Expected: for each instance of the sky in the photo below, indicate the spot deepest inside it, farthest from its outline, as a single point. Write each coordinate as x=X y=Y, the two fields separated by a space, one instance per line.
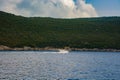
x=61 y=8
x=106 y=7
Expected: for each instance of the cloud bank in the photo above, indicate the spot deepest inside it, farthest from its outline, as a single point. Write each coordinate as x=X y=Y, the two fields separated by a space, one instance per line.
x=49 y=8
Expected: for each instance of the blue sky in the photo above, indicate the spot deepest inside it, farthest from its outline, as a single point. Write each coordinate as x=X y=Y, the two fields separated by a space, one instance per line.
x=106 y=7
x=61 y=8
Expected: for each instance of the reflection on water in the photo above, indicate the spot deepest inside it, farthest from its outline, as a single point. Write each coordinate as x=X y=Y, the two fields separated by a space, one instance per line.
x=36 y=65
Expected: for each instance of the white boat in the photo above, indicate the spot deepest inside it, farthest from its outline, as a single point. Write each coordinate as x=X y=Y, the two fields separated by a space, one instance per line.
x=63 y=51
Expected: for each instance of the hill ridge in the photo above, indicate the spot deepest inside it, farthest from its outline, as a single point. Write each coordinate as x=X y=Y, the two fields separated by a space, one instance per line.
x=18 y=31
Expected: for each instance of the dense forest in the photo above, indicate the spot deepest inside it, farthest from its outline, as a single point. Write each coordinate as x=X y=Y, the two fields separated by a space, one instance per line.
x=18 y=31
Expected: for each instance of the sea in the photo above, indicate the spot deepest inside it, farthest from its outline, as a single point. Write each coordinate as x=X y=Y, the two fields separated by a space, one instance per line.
x=49 y=65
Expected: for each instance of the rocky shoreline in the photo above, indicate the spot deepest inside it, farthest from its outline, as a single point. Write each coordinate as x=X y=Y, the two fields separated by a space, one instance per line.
x=25 y=48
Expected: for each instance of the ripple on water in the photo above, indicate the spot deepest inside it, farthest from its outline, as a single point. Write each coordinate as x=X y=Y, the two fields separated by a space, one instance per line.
x=48 y=66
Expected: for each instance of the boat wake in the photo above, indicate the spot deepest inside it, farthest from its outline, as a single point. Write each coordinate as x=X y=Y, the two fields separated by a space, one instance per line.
x=60 y=51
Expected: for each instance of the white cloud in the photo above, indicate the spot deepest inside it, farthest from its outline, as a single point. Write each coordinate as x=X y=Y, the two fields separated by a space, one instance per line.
x=11 y=7
x=49 y=8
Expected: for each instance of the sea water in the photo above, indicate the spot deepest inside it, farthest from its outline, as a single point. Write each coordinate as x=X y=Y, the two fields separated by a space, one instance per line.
x=41 y=65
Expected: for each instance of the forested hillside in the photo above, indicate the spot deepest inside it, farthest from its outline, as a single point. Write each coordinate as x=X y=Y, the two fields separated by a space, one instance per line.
x=17 y=31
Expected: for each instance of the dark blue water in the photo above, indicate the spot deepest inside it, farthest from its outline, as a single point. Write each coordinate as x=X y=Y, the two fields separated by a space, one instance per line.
x=36 y=65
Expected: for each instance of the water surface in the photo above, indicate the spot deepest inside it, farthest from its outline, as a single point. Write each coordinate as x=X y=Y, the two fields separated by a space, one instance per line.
x=39 y=65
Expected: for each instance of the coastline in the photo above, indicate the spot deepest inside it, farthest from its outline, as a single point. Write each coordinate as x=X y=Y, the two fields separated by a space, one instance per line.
x=25 y=48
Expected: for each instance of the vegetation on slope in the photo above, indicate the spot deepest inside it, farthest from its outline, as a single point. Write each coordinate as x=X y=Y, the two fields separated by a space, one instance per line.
x=17 y=31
